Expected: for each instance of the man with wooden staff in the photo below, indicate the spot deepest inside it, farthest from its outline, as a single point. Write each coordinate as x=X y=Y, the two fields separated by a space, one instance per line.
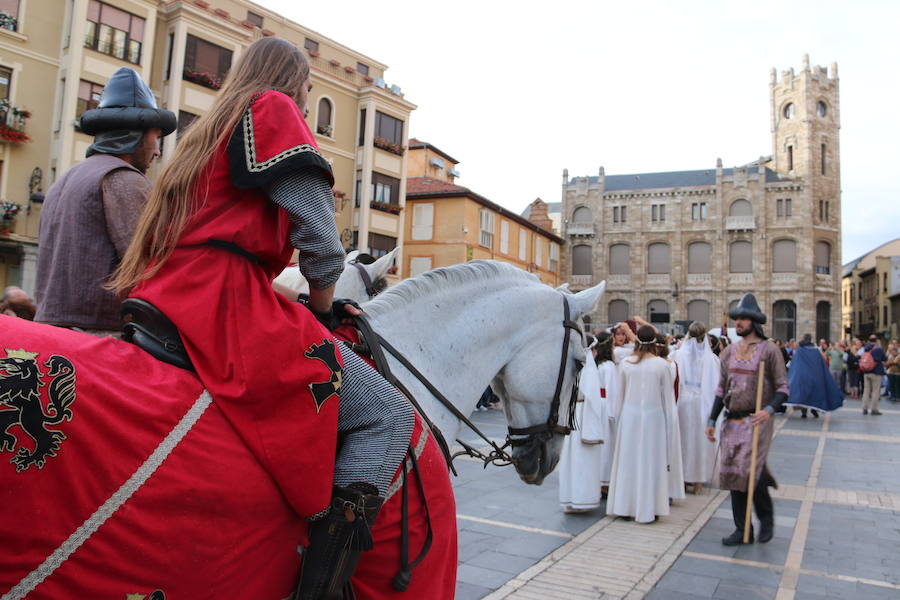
x=737 y=394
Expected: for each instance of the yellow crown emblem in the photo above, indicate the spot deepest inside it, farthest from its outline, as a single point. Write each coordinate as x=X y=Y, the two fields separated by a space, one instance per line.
x=20 y=353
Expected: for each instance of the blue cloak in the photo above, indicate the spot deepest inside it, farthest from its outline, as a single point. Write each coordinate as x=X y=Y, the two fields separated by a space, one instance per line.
x=811 y=382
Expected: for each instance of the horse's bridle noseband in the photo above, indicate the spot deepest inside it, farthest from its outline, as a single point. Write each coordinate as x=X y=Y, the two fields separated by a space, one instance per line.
x=546 y=430
x=367 y=281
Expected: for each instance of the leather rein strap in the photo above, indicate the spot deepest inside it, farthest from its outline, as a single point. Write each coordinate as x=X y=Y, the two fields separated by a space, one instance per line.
x=367 y=281
x=498 y=454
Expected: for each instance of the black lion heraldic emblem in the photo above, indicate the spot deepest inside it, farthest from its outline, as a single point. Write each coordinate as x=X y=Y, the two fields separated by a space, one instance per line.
x=323 y=390
x=20 y=404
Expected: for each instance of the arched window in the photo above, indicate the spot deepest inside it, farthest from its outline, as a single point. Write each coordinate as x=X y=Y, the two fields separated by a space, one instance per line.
x=619 y=260
x=658 y=311
x=784 y=256
x=582 y=214
x=698 y=310
x=617 y=311
x=785 y=320
x=324 y=117
x=740 y=257
x=741 y=208
x=581 y=260
x=699 y=257
x=659 y=259
x=823 y=320
x=823 y=258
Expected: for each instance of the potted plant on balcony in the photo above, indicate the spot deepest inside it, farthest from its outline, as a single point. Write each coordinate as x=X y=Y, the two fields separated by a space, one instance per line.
x=394 y=209
x=8 y=21
x=12 y=123
x=313 y=53
x=349 y=69
x=334 y=62
x=8 y=212
x=209 y=80
x=388 y=145
x=324 y=130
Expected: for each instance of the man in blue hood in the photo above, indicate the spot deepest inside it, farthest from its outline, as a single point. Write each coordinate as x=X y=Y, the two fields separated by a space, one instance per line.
x=91 y=212
x=812 y=385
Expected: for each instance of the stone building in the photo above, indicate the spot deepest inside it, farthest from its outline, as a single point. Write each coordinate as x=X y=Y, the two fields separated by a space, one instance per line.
x=682 y=246
x=55 y=58
x=870 y=293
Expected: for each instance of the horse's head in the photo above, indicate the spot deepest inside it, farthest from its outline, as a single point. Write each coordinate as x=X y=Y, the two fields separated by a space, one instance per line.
x=360 y=281
x=539 y=387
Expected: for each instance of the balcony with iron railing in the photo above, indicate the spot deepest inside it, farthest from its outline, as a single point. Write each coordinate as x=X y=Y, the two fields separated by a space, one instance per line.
x=12 y=123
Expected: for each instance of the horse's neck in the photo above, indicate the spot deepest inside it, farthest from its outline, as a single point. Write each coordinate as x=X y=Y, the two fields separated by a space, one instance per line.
x=459 y=342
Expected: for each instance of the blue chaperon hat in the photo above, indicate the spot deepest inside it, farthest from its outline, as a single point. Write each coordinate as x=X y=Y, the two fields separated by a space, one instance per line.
x=127 y=104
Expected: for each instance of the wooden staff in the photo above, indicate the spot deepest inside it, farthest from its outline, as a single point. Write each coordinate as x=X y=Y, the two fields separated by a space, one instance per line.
x=751 y=483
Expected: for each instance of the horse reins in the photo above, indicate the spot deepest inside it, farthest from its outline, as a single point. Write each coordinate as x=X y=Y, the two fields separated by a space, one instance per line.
x=367 y=281
x=497 y=454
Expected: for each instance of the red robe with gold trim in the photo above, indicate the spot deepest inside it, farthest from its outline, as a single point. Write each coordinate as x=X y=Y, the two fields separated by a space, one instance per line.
x=249 y=344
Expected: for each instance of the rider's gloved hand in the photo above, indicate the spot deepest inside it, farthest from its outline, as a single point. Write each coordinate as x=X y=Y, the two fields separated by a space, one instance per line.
x=342 y=309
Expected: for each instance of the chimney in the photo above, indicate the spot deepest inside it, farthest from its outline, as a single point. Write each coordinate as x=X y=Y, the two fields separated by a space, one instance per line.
x=538 y=215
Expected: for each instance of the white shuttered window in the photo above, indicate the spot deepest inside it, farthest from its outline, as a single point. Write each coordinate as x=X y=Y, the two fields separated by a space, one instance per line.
x=418 y=265
x=504 y=237
x=523 y=242
x=423 y=221
x=486 y=238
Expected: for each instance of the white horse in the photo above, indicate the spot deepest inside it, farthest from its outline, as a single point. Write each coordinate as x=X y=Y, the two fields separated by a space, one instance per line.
x=291 y=282
x=484 y=322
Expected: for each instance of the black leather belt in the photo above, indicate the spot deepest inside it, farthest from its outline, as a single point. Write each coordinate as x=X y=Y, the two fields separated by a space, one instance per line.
x=738 y=414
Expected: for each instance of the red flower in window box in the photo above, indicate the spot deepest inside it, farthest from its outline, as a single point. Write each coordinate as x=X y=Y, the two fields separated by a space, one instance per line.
x=312 y=52
x=349 y=69
x=248 y=24
x=213 y=82
x=269 y=33
x=393 y=209
x=389 y=146
x=368 y=79
x=222 y=12
x=202 y=3
x=11 y=135
x=334 y=62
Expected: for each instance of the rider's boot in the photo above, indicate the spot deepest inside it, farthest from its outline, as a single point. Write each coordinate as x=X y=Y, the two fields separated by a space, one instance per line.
x=336 y=541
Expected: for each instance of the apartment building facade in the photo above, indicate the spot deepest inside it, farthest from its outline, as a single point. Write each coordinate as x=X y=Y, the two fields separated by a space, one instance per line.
x=684 y=246
x=56 y=56
x=448 y=224
x=870 y=293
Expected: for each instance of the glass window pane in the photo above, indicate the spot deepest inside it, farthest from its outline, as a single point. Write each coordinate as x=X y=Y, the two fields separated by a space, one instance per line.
x=105 y=39
x=134 y=51
x=619 y=263
x=119 y=38
x=741 y=257
x=581 y=260
x=658 y=258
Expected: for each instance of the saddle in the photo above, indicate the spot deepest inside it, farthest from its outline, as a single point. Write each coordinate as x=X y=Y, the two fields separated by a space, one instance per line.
x=150 y=330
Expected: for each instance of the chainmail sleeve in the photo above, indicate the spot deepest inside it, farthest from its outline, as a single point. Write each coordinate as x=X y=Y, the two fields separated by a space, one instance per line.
x=306 y=196
x=375 y=424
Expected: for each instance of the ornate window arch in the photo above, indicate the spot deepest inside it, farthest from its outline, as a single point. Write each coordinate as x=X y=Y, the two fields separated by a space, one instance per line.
x=582 y=214
x=740 y=208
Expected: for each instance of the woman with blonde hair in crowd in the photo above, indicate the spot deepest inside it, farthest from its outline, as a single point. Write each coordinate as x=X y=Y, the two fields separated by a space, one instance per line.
x=699 y=372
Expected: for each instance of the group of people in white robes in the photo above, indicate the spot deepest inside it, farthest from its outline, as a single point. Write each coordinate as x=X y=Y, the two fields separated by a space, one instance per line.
x=640 y=424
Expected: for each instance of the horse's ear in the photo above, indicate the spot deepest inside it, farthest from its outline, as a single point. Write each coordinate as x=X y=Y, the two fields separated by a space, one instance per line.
x=351 y=256
x=379 y=268
x=564 y=288
x=586 y=301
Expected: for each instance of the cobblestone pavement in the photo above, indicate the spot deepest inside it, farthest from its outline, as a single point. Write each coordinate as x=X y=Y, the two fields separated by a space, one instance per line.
x=837 y=528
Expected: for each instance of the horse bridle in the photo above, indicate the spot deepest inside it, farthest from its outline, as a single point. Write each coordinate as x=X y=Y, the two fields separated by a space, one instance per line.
x=497 y=454
x=367 y=281
x=545 y=431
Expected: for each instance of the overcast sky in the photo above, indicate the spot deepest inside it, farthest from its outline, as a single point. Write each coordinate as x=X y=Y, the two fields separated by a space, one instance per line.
x=517 y=91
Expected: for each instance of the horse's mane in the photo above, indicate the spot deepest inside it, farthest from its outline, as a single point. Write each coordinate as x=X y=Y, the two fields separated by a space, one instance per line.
x=477 y=271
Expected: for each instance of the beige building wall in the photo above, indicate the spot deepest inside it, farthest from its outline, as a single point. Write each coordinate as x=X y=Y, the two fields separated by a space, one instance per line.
x=742 y=204
x=49 y=60
x=869 y=287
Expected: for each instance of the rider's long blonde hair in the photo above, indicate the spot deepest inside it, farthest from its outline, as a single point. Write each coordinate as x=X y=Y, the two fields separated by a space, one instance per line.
x=269 y=63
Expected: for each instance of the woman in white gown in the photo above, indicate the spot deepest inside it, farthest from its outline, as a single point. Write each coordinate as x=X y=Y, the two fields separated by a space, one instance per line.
x=699 y=376
x=640 y=484
x=579 y=463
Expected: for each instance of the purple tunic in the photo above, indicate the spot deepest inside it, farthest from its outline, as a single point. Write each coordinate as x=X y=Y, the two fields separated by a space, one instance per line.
x=740 y=367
